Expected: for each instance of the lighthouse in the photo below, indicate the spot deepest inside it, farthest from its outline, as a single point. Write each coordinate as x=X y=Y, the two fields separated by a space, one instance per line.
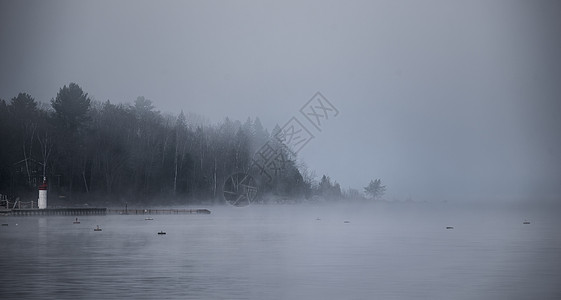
x=42 y=202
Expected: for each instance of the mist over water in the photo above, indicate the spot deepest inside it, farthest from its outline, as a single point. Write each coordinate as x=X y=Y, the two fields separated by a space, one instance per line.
x=379 y=251
x=116 y=103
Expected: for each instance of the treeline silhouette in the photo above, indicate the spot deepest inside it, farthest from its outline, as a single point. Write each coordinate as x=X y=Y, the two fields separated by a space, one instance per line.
x=91 y=150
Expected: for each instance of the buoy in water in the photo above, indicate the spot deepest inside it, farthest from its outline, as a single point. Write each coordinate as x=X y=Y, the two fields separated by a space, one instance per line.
x=161 y=232
x=97 y=228
x=449 y=227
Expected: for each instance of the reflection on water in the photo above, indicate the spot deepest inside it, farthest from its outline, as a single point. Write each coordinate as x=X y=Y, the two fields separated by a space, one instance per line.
x=284 y=252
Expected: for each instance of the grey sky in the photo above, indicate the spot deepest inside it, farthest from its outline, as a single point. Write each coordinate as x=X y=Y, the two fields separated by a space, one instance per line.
x=443 y=100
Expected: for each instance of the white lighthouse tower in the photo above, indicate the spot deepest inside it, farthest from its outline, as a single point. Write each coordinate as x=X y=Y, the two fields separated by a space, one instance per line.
x=42 y=202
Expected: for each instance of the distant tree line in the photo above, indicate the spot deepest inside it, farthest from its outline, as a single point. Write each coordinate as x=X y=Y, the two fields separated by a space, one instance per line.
x=131 y=152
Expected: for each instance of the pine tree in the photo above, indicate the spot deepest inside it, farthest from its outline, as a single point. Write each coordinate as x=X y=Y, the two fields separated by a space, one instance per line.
x=375 y=189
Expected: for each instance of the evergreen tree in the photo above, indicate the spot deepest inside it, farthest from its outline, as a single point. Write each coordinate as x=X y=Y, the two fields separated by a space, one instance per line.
x=375 y=189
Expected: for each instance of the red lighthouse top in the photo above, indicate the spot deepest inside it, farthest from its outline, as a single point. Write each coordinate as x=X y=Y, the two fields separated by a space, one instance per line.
x=43 y=186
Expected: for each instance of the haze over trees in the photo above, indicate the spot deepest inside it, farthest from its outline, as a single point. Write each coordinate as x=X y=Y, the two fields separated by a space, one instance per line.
x=375 y=189
x=131 y=152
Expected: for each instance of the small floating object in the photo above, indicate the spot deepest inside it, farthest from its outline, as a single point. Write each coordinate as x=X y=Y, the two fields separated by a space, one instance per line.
x=161 y=232
x=4 y=224
x=148 y=219
x=317 y=219
x=526 y=222
x=347 y=222
x=76 y=222
x=97 y=228
x=449 y=227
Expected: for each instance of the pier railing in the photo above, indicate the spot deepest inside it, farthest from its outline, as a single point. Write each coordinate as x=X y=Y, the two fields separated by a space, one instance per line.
x=56 y=212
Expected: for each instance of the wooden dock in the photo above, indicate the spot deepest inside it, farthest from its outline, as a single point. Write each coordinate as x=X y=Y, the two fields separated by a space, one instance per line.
x=54 y=212
x=97 y=211
x=169 y=211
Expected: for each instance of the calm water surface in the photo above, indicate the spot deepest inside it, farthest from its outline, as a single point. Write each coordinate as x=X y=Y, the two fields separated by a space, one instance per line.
x=286 y=252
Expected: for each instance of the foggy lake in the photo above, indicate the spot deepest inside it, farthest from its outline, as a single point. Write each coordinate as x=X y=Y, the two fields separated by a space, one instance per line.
x=377 y=149
x=380 y=251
